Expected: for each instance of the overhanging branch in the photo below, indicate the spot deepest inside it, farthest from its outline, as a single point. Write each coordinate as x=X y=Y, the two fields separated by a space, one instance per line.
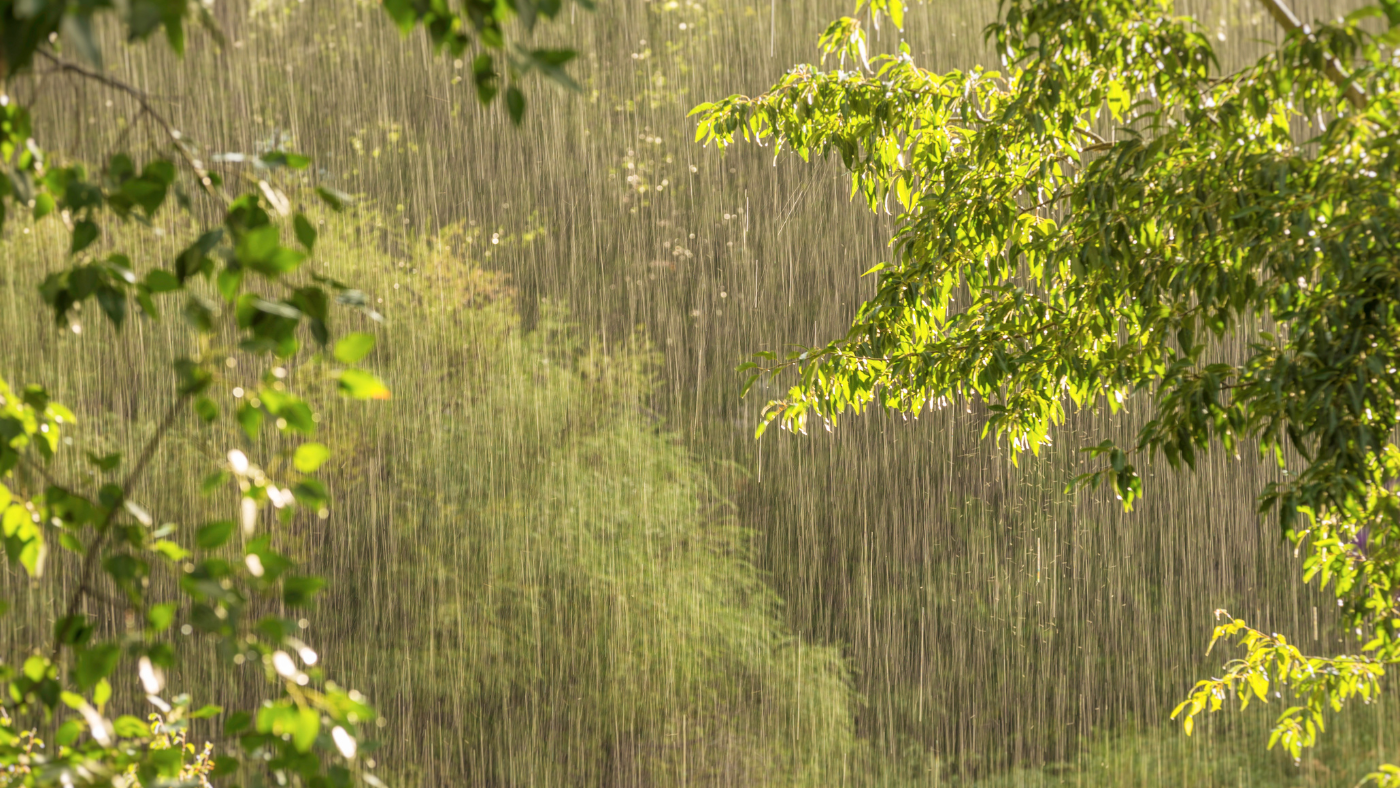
x=144 y=101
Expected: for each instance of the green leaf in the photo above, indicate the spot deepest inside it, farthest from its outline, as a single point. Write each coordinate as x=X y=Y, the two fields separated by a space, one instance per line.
x=105 y=463
x=96 y=663
x=237 y=722
x=359 y=384
x=550 y=62
x=43 y=205
x=68 y=732
x=250 y=419
x=101 y=694
x=1365 y=12
x=171 y=550
x=214 y=534
x=335 y=198
x=1119 y=100
x=129 y=727
x=306 y=233
x=1260 y=684
x=310 y=456
x=310 y=493
x=207 y=409
x=32 y=553
x=484 y=77
x=113 y=303
x=69 y=542
x=195 y=258
x=276 y=159
x=298 y=591
x=160 y=617
x=206 y=711
x=896 y=12
x=515 y=104
x=1392 y=11
x=84 y=233
x=35 y=667
x=224 y=766
x=353 y=347
x=199 y=312
x=74 y=630
x=307 y=725
x=214 y=481
x=161 y=281
x=298 y=416
x=229 y=282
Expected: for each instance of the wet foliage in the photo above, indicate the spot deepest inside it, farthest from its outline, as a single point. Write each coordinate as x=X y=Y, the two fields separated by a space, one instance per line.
x=522 y=510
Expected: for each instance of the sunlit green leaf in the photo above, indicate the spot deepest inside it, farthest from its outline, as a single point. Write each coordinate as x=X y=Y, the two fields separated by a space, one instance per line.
x=353 y=347
x=310 y=456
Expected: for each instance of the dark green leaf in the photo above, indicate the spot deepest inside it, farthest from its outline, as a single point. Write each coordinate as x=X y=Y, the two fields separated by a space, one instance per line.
x=335 y=198
x=515 y=104
x=84 y=233
x=306 y=233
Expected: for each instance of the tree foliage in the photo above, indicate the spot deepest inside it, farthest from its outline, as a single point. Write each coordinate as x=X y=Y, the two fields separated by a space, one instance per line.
x=247 y=287
x=1092 y=220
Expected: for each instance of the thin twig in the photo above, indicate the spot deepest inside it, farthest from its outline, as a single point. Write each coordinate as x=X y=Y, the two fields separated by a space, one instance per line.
x=1092 y=135
x=104 y=530
x=144 y=100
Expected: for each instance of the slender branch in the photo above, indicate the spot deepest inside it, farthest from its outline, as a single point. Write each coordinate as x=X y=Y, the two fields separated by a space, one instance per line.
x=104 y=530
x=1056 y=197
x=1092 y=135
x=144 y=100
x=1334 y=69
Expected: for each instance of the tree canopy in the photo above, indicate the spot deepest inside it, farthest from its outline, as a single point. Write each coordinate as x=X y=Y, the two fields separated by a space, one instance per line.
x=1089 y=223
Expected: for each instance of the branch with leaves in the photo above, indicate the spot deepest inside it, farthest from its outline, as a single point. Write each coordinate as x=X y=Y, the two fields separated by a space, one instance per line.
x=1273 y=665
x=1092 y=221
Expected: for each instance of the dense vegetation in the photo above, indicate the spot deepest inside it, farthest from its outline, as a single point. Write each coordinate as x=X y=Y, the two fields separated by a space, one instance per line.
x=554 y=555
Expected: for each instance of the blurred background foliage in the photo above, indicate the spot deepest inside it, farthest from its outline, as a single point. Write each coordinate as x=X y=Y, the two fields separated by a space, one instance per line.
x=557 y=556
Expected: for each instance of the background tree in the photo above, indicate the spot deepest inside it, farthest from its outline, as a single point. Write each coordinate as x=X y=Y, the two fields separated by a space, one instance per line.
x=1090 y=223
x=246 y=295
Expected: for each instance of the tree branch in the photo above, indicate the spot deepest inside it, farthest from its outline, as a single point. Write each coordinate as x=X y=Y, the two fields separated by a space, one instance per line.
x=144 y=100
x=1334 y=69
x=105 y=529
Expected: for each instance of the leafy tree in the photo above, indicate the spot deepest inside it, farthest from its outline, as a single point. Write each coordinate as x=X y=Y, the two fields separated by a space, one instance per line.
x=244 y=293
x=1093 y=221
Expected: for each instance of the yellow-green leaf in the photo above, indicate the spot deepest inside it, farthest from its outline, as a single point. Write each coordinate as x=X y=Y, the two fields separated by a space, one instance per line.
x=310 y=456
